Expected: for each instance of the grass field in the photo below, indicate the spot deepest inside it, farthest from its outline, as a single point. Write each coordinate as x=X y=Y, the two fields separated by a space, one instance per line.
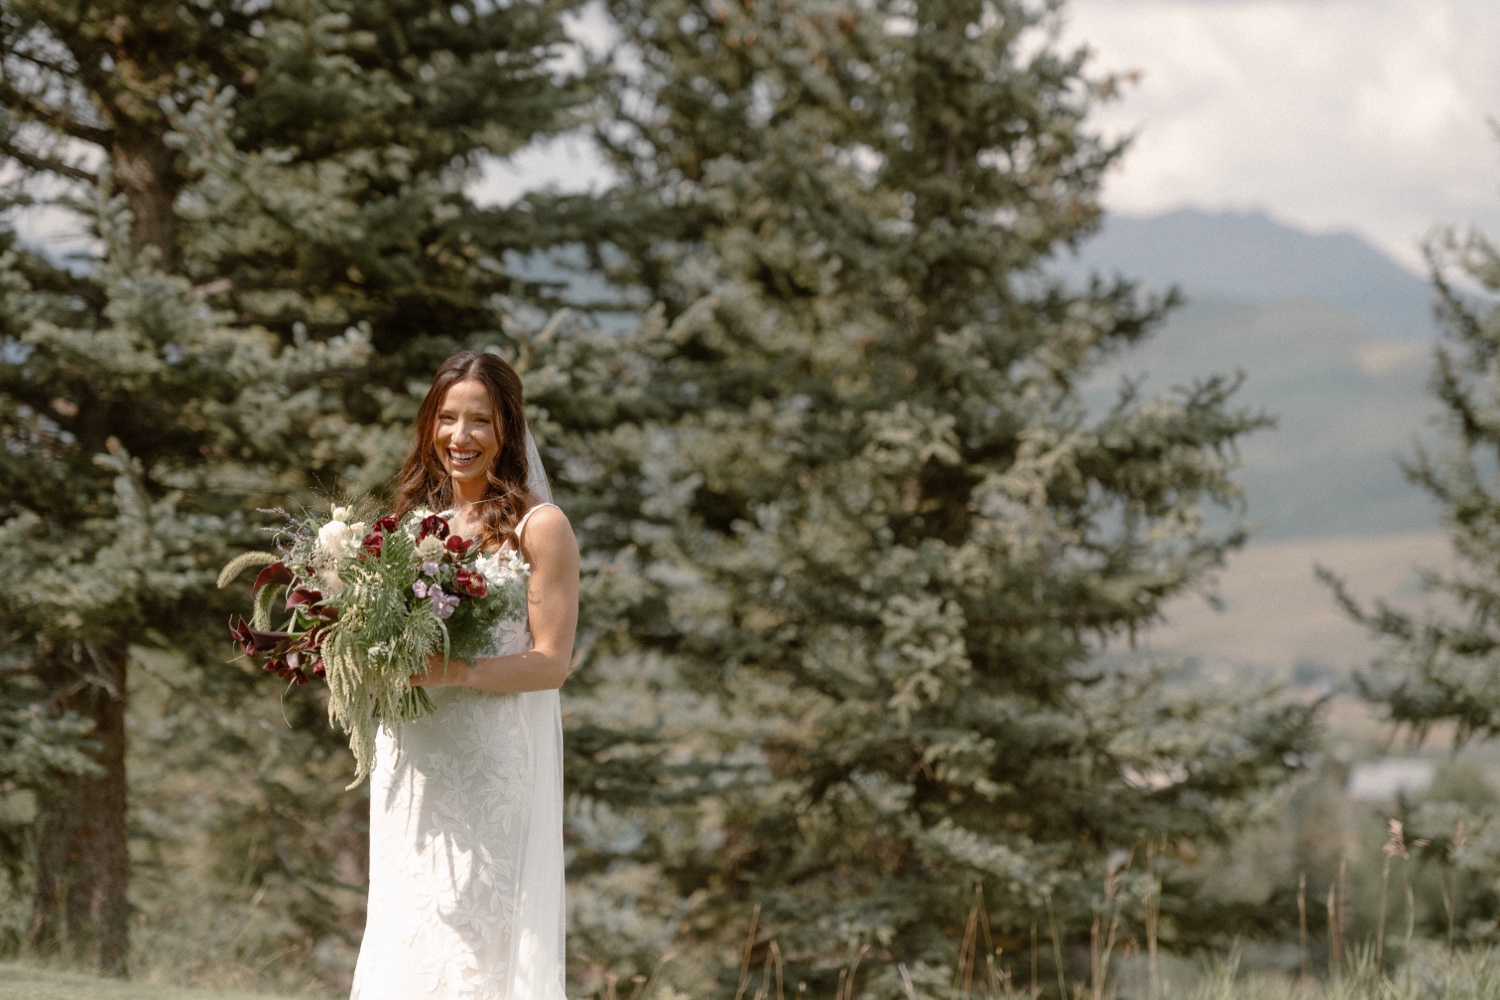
x=19 y=982
x=1433 y=974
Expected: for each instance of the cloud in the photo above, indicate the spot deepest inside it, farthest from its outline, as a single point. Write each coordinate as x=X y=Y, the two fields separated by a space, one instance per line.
x=1369 y=115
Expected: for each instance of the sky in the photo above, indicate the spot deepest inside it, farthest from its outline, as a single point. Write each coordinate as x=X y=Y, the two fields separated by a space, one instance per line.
x=1364 y=115
x=1369 y=116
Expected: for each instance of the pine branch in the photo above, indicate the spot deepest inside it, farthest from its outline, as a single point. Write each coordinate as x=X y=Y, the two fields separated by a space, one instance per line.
x=46 y=64
x=31 y=107
x=46 y=164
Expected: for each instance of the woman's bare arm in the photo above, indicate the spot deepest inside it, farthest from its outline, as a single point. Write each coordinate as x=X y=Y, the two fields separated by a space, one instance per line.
x=552 y=606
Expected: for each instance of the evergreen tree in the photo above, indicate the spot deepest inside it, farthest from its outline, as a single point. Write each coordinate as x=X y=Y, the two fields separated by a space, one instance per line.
x=127 y=484
x=291 y=171
x=858 y=541
x=1436 y=667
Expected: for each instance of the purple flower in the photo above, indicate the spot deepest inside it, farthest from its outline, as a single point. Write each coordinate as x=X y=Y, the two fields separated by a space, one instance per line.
x=442 y=604
x=430 y=568
x=420 y=589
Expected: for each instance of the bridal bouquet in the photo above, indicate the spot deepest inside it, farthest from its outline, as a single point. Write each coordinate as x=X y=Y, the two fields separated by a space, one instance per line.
x=365 y=605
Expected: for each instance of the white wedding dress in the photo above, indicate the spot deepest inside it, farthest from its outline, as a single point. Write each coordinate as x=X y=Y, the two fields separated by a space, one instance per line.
x=466 y=859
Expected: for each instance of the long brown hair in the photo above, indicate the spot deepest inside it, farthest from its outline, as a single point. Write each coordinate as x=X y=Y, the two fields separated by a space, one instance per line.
x=424 y=482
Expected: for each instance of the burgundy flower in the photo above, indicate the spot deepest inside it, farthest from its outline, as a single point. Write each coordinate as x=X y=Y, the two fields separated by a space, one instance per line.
x=385 y=524
x=433 y=525
x=298 y=677
x=457 y=545
x=274 y=573
x=469 y=582
x=278 y=667
x=253 y=641
x=302 y=597
x=318 y=669
x=373 y=543
x=242 y=634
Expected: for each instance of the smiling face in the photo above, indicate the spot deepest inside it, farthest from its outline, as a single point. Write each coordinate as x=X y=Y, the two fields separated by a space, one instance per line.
x=467 y=437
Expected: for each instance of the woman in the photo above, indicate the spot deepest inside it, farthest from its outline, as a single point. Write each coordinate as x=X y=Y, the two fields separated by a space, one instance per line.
x=466 y=865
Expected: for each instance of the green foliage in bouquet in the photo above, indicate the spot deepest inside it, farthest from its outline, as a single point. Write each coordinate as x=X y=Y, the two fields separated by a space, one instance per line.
x=366 y=613
x=376 y=645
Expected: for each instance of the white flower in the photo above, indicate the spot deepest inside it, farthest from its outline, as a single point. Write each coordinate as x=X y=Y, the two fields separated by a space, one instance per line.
x=430 y=548
x=332 y=585
x=334 y=538
x=489 y=568
x=498 y=569
x=341 y=513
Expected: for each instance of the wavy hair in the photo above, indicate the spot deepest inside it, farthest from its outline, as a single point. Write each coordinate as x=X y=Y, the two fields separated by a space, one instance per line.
x=424 y=482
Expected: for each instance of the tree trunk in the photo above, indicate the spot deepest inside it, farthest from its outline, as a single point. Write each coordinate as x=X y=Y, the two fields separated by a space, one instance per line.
x=81 y=906
x=145 y=170
x=83 y=859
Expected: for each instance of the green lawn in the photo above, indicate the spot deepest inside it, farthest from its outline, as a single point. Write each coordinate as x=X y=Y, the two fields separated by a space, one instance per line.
x=1433 y=974
x=22 y=983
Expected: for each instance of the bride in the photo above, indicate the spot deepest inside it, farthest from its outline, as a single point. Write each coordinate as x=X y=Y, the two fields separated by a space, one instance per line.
x=466 y=862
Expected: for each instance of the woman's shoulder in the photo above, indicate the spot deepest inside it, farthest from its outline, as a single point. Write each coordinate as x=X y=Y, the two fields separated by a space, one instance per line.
x=543 y=518
x=545 y=528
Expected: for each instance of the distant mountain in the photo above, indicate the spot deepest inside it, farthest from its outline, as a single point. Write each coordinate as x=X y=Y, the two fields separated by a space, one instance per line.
x=1252 y=258
x=1348 y=404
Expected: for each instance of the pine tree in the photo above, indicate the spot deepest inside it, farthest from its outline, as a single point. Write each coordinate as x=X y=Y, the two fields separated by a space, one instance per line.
x=291 y=171
x=129 y=487
x=858 y=541
x=1436 y=667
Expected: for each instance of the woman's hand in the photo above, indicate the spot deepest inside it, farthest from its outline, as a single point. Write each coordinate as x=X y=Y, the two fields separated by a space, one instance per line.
x=454 y=674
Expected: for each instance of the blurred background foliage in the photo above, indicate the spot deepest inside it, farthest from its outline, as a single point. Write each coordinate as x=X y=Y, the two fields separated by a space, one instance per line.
x=873 y=518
